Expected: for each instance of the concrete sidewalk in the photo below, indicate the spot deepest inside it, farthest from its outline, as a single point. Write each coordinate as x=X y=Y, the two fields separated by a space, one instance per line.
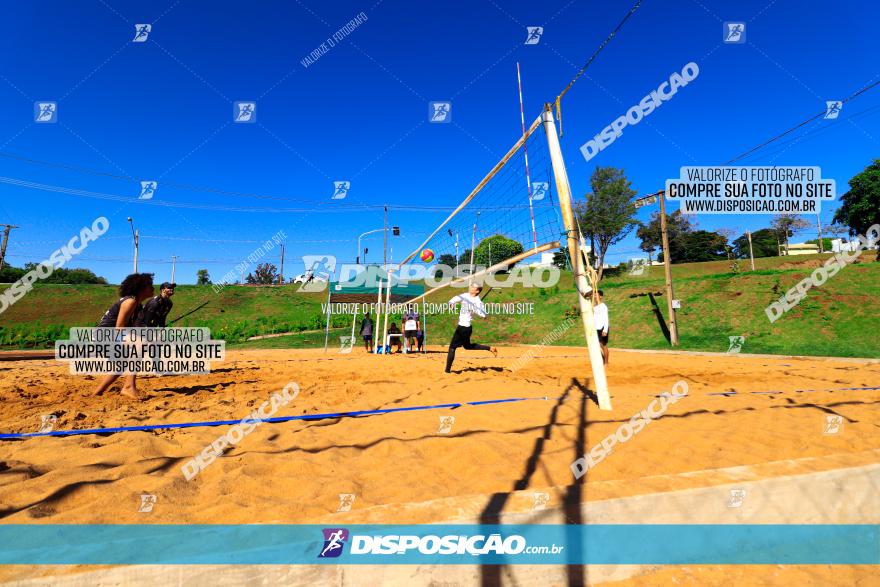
x=837 y=496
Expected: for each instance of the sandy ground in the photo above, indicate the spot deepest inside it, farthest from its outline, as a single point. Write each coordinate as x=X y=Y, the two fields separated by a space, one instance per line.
x=402 y=468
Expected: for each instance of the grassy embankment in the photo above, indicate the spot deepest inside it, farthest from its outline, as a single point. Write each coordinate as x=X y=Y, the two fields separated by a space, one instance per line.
x=839 y=318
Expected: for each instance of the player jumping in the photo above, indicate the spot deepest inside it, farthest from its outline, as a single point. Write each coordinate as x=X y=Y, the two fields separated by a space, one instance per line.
x=470 y=304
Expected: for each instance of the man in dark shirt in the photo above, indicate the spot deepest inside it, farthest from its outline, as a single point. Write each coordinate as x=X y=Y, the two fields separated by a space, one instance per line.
x=367 y=331
x=156 y=310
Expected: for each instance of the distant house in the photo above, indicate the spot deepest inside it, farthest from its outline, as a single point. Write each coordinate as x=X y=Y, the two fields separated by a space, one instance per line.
x=838 y=245
x=546 y=260
x=800 y=249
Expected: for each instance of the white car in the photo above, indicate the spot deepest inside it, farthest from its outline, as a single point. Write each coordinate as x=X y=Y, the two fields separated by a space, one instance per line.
x=309 y=277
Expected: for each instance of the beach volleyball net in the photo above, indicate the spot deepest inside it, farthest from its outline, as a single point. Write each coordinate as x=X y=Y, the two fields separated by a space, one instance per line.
x=513 y=210
x=520 y=212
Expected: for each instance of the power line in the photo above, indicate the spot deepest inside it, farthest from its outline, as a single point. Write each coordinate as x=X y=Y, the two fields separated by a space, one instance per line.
x=173 y=185
x=782 y=146
x=797 y=126
x=599 y=49
x=340 y=209
x=180 y=260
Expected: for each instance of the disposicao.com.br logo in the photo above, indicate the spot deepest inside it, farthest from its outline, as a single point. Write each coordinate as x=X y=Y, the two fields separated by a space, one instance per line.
x=412 y=544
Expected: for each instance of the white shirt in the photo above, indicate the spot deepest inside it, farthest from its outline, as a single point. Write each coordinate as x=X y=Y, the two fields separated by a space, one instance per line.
x=600 y=317
x=469 y=305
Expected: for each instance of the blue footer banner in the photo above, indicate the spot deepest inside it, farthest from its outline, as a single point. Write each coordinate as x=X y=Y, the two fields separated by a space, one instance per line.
x=455 y=544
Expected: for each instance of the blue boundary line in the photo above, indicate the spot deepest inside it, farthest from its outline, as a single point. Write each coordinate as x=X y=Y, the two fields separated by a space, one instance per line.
x=210 y=423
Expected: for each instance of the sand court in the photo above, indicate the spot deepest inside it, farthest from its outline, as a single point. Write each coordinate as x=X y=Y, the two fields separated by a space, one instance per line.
x=749 y=429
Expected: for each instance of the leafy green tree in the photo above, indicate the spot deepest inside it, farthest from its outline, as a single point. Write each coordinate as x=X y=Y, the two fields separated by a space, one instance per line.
x=678 y=226
x=447 y=259
x=202 y=277
x=264 y=274
x=826 y=243
x=608 y=215
x=860 y=206
x=703 y=245
x=10 y=274
x=62 y=275
x=560 y=259
x=495 y=249
x=764 y=244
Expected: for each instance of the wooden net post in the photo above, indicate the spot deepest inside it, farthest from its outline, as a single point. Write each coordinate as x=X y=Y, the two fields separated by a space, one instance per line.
x=563 y=190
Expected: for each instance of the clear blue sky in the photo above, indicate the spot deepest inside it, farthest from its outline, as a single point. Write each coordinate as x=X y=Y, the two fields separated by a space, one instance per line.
x=162 y=110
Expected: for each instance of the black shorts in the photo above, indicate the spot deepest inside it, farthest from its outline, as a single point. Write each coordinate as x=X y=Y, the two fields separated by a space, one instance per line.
x=603 y=338
x=368 y=337
x=412 y=333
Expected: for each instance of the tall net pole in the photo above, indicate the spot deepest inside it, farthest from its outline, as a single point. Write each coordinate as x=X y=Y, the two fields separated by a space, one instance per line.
x=522 y=118
x=473 y=248
x=563 y=190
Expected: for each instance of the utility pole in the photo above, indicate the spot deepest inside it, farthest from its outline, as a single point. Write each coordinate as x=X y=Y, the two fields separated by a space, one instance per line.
x=134 y=234
x=667 y=269
x=667 y=262
x=281 y=275
x=751 y=254
x=173 y=266
x=6 y=229
x=385 y=239
x=819 y=224
x=473 y=250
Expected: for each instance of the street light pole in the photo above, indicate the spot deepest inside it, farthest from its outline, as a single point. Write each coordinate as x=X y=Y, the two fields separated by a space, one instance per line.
x=134 y=234
x=473 y=248
x=173 y=266
x=362 y=236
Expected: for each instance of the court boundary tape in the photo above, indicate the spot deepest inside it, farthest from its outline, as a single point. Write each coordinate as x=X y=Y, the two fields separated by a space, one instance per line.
x=273 y=420
x=354 y=414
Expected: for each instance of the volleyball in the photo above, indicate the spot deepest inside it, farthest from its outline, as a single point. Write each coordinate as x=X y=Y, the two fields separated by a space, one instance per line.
x=427 y=255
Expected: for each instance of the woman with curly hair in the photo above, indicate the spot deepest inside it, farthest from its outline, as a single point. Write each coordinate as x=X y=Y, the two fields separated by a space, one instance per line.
x=133 y=290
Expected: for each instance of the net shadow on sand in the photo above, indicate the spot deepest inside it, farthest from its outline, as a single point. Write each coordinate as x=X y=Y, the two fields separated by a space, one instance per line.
x=491 y=575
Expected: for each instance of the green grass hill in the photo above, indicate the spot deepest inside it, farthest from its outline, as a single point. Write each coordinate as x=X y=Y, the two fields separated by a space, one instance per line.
x=840 y=318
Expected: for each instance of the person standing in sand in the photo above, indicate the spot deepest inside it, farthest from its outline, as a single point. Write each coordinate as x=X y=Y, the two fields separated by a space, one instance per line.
x=470 y=304
x=156 y=311
x=133 y=290
x=411 y=326
x=601 y=322
x=367 y=331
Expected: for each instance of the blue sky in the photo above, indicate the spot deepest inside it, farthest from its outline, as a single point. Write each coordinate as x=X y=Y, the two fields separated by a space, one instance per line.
x=162 y=110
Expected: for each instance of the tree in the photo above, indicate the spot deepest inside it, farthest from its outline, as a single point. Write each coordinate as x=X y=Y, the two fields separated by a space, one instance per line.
x=264 y=274
x=836 y=230
x=860 y=207
x=560 y=259
x=495 y=249
x=703 y=245
x=763 y=244
x=677 y=227
x=608 y=215
x=785 y=225
x=448 y=260
x=202 y=277
x=69 y=276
